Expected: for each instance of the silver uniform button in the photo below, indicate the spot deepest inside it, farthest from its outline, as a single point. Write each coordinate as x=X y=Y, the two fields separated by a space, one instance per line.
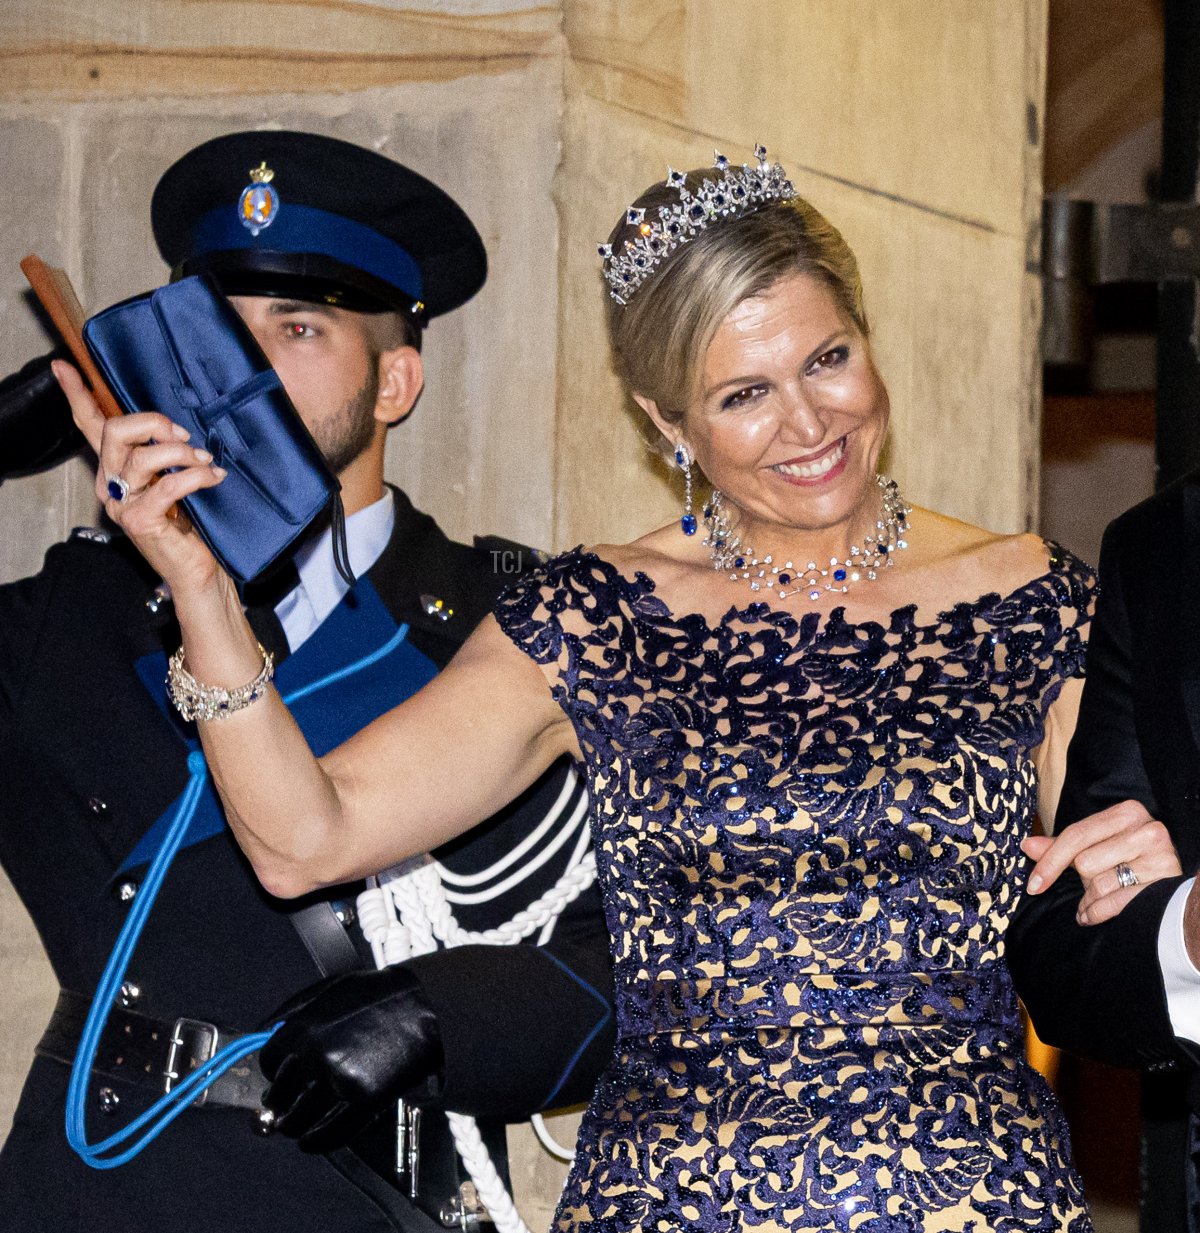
x=264 y=1121
x=108 y=1100
x=129 y=993
x=126 y=891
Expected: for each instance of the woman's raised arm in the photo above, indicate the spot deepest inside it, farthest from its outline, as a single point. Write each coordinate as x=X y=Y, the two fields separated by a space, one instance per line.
x=475 y=737
x=472 y=739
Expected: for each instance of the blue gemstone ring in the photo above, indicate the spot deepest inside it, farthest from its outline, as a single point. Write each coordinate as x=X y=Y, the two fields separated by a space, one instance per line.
x=118 y=489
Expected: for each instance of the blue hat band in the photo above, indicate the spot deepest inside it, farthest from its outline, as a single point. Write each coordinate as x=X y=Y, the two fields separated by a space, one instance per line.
x=305 y=229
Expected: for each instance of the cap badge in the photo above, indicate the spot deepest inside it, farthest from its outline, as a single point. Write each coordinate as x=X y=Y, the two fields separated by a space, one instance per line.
x=259 y=202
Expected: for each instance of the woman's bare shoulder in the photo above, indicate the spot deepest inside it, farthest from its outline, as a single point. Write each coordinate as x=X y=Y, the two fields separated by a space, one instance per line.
x=983 y=559
x=658 y=553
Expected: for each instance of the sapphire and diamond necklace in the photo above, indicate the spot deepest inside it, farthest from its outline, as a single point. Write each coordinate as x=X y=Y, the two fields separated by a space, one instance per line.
x=864 y=560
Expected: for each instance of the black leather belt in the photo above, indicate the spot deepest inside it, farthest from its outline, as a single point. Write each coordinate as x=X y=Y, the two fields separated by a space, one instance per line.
x=157 y=1054
x=153 y=1053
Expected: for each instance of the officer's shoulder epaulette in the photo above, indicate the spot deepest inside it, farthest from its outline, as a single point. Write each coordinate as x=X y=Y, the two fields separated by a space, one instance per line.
x=96 y=535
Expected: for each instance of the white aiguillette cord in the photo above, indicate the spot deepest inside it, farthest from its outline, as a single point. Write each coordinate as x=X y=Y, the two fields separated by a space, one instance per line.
x=405 y=912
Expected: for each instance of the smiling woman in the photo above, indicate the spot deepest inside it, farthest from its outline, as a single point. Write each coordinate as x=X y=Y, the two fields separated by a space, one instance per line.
x=747 y=345
x=808 y=803
x=791 y=413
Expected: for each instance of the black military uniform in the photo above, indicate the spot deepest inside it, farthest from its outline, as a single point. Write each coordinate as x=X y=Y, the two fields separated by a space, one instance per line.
x=90 y=758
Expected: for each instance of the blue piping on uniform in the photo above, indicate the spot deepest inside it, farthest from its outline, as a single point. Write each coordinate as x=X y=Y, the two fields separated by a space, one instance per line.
x=587 y=1040
x=367 y=660
x=168 y=1107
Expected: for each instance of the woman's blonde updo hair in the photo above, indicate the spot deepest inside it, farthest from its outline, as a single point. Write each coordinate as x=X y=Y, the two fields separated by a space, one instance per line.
x=659 y=337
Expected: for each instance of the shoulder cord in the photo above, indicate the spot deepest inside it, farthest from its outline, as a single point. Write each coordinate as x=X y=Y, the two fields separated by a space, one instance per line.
x=514 y=854
x=166 y=1108
x=406 y=913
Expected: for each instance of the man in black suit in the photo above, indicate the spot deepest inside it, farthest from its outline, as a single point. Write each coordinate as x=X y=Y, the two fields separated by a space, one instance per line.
x=1127 y=991
x=336 y=286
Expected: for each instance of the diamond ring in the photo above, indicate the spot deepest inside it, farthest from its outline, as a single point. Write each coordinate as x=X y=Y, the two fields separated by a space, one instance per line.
x=1125 y=876
x=118 y=489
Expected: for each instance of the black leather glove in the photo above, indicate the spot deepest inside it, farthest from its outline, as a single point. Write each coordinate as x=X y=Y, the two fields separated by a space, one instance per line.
x=349 y=1048
x=36 y=429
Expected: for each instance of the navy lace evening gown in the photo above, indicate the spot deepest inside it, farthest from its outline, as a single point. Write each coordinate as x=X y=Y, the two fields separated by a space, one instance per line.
x=807 y=833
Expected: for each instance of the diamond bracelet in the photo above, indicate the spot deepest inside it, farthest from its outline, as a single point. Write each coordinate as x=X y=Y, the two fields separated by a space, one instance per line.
x=197 y=701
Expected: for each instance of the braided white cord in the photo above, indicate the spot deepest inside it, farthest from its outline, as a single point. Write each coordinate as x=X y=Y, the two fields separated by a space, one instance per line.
x=410 y=891
x=528 y=921
x=418 y=897
x=377 y=920
x=404 y=916
x=393 y=942
x=478 y=1159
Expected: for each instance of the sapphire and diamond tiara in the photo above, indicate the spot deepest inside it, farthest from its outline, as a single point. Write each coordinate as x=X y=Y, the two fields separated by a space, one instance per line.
x=736 y=192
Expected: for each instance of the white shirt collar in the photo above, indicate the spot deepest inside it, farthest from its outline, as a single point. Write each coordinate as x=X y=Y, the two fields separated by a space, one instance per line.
x=321 y=587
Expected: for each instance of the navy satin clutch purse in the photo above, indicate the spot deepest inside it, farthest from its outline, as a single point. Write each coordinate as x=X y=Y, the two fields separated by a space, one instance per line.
x=184 y=351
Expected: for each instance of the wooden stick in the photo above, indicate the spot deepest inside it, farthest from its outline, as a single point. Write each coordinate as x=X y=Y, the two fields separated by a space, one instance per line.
x=56 y=295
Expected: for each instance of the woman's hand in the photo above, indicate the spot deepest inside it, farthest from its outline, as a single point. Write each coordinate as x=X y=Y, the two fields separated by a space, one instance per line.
x=1123 y=835
x=138 y=449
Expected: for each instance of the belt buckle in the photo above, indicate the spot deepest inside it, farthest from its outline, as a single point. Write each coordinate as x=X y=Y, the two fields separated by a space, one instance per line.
x=193 y=1041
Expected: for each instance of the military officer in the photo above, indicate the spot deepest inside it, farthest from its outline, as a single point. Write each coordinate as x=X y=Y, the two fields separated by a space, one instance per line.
x=351 y=255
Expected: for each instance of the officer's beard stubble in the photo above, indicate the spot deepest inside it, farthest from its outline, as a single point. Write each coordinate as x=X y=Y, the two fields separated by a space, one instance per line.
x=343 y=437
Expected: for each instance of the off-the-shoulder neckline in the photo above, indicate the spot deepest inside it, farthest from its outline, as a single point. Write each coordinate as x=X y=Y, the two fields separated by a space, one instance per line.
x=813 y=623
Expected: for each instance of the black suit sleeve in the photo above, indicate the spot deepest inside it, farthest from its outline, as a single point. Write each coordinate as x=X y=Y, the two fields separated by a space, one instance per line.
x=1098 y=990
x=36 y=429
x=23 y=607
x=524 y=1028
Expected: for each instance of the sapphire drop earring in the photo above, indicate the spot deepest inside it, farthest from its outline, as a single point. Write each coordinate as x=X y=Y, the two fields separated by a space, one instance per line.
x=683 y=460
